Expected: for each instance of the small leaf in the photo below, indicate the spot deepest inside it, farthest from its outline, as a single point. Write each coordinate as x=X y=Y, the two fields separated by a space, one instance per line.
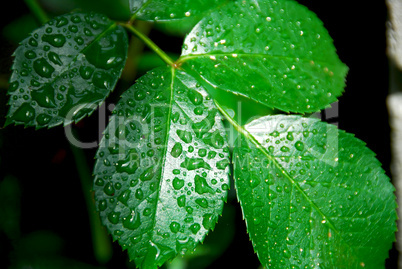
x=163 y=10
x=275 y=52
x=313 y=195
x=65 y=69
x=161 y=177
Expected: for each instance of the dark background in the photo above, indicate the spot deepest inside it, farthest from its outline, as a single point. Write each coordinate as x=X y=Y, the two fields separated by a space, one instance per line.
x=43 y=162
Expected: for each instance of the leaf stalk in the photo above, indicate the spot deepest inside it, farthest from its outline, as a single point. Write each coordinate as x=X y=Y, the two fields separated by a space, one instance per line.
x=150 y=44
x=37 y=10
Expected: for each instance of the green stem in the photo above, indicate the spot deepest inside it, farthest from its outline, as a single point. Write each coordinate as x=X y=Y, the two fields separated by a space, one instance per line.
x=150 y=44
x=135 y=50
x=100 y=240
x=37 y=10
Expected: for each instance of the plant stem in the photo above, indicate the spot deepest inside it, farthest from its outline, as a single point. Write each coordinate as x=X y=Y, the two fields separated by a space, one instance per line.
x=37 y=10
x=135 y=50
x=100 y=240
x=150 y=44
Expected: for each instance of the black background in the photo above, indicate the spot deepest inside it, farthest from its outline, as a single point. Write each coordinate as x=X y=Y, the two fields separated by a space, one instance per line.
x=43 y=163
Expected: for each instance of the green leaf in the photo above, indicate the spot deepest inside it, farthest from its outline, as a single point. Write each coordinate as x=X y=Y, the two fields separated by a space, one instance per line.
x=65 y=69
x=312 y=195
x=275 y=52
x=163 y=10
x=162 y=168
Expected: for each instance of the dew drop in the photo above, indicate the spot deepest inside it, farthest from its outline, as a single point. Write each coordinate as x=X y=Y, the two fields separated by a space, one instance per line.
x=75 y=19
x=202 y=202
x=79 y=40
x=274 y=134
x=254 y=182
x=132 y=221
x=109 y=189
x=139 y=95
x=214 y=139
x=139 y=194
x=32 y=41
x=185 y=136
x=177 y=183
x=24 y=113
x=102 y=80
x=201 y=185
x=43 y=119
x=102 y=205
x=30 y=54
x=113 y=217
x=176 y=150
x=43 y=68
x=299 y=145
x=148 y=174
x=221 y=165
x=195 y=97
x=86 y=72
x=198 y=111
x=194 y=163
x=73 y=28
x=202 y=152
x=124 y=197
x=56 y=40
x=54 y=58
x=130 y=164
x=174 y=227
x=181 y=201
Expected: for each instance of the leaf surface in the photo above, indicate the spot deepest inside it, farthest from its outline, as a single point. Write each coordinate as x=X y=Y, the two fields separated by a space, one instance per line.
x=312 y=195
x=167 y=10
x=277 y=53
x=162 y=168
x=65 y=69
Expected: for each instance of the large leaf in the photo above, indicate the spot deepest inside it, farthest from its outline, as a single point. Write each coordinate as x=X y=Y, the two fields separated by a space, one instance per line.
x=163 y=10
x=65 y=69
x=162 y=168
x=313 y=196
x=275 y=52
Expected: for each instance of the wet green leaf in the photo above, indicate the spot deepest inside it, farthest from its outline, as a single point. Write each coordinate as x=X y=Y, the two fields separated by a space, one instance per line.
x=313 y=195
x=65 y=69
x=275 y=52
x=162 y=168
x=163 y=10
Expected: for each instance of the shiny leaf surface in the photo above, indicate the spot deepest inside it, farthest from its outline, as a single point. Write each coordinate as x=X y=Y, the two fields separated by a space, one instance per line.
x=162 y=168
x=313 y=196
x=275 y=52
x=65 y=69
x=164 y=10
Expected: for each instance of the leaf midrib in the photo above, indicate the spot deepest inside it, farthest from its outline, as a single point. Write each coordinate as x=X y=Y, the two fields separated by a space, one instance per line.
x=186 y=58
x=165 y=150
